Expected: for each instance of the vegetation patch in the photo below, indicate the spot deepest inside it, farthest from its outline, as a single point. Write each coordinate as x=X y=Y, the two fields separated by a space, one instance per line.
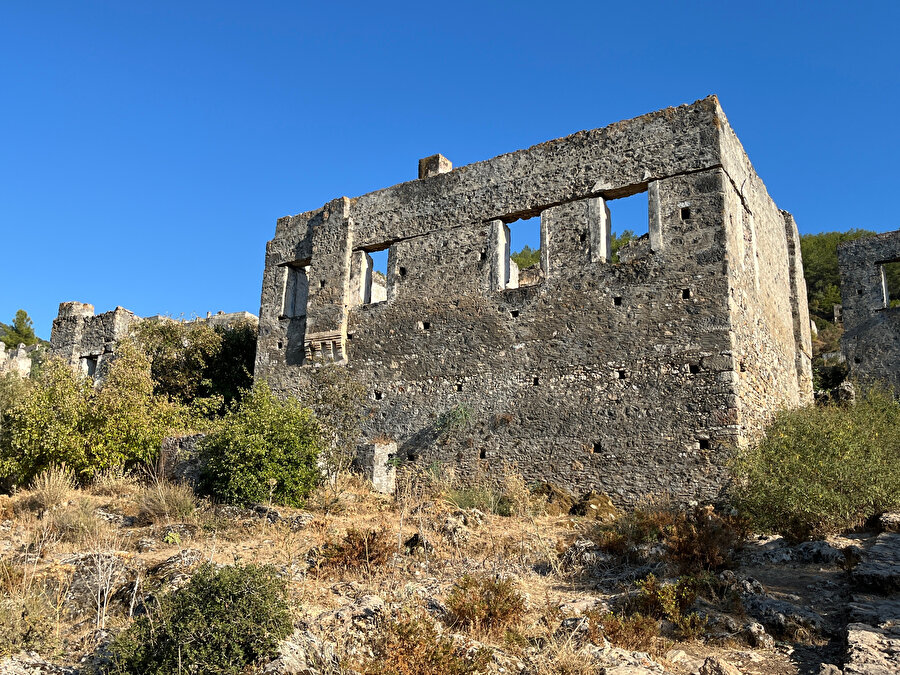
x=412 y=646
x=266 y=449
x=358 y=551
x=485 y=603
x=823 y=469
x=221 y=622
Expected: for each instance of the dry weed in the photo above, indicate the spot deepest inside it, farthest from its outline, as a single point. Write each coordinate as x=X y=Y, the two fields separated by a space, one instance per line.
x=164 y=501
x=52 y=487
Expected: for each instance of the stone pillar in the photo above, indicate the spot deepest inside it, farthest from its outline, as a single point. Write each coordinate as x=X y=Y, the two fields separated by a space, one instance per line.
x=375 y=461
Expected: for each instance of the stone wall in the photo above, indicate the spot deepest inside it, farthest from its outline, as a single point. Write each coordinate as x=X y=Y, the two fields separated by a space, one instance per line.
x=633 y=378
x=17 y=360
x=871 y=340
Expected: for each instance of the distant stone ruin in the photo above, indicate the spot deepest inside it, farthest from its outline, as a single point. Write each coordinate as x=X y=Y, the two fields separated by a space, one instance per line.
x=634 y=377
x=87 y=342
x=17 y=360
x=871 y=340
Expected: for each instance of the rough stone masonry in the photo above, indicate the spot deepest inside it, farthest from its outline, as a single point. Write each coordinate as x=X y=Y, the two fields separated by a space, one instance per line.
x=871 y=340
x=635 y=377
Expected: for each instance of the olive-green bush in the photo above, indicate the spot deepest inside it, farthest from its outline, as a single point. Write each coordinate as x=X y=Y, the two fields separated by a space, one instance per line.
x=220 y=623
x=61 y=418
x=823 y=469
x=265 y=449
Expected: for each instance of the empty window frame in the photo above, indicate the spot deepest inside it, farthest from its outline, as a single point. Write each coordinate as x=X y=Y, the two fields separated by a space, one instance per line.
x=520 y=253
x=296 y=290
x=373 y=276
x=890 y=283
x=629 y=223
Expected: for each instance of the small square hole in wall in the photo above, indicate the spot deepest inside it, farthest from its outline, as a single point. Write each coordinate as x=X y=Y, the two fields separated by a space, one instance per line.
x=859 y=291
x=483 y=255
x=379 y=395
x=704 y=444
x=743 y=367
x=322 y=284
x=482 y=454
x=621 y=374
x=686 y=293
x=514 y=314
x=596 y=448
x=424 y=325
x=685 y=212
x=536 y=381
x=583 y=237
x=617 y=301
x=459 y=386
x=411 y=456
x=280 y=345
x=694 y=368
x=856 y=359
x=402 y=271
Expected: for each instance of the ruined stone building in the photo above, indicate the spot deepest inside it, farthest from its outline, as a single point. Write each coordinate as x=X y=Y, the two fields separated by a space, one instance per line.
x=633 y=377
x=871 y=340
x=17 y=360
x=87 y=341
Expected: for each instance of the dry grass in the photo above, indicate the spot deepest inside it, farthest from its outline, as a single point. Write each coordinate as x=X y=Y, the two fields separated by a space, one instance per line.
x=165 y=501
x=51 y=488
x=114 y=482
x=485 y=604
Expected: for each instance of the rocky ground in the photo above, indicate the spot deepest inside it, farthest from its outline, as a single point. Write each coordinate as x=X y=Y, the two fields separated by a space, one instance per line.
x=96 y=560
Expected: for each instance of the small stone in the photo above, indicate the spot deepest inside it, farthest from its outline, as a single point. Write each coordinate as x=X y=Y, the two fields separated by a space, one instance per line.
x=717 y=666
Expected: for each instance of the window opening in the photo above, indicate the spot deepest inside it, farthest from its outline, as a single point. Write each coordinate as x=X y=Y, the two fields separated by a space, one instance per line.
x=629 y=221
x=296 y=290
x=483 y=454
x=621 y=374
x=617 y=301
x=523 y=253
x=89 y=365
x=373 y=276
x=890 y=282
x=694 y=368
x=686 y=293
x=685 y=212
x=704 y=444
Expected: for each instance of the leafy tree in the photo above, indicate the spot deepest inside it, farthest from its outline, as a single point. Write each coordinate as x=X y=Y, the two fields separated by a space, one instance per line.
x=526 y=257
x=265 y=448
x=192 y=361
x=617 y=241
x=19 y=332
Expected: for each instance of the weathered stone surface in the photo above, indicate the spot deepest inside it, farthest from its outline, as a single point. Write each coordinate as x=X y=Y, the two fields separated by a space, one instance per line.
x=879 y=569
x=872 y=651
x=624 y=378
x=376 y=461
x=871 y=339
x=717 y=666
x=17 y=360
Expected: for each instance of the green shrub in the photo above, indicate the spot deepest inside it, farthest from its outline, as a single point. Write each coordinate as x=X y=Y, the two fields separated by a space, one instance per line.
x=412 y=646
x=266 y=448
x=634 y=632
x=671 y=601
x=823 y=469
x=27 y=621
x=485 y=603
x=221 y=622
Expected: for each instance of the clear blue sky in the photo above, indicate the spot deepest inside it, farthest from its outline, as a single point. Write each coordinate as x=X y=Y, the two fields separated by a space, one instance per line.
x=148 y=147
